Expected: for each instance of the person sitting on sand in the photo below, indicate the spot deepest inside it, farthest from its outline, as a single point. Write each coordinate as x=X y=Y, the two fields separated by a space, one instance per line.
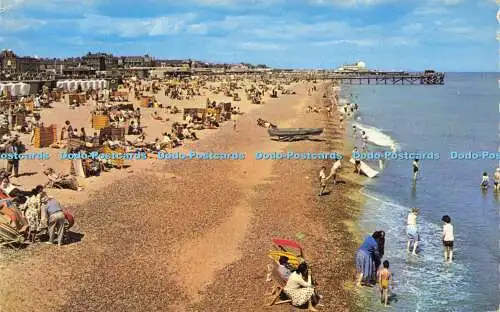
x=496 y=178
x=185 y=132
x=384 y=279
x=156 y=116
x=412 y=230
x=60 y=180
x=299 y=290
x=10 y=190
x=284 y=268
x=485 y=181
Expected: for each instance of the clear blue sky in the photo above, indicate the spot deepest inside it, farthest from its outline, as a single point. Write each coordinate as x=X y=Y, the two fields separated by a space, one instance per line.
x=448 y=35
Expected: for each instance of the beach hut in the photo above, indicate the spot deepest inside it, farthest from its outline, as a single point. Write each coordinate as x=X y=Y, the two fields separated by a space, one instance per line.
x=85 y=85
x=15 y=89
x=60 y=85
x=25 y=89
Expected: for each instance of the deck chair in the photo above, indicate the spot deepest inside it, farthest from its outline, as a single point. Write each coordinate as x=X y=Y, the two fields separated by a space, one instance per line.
x=277 y=292
x=9 y=236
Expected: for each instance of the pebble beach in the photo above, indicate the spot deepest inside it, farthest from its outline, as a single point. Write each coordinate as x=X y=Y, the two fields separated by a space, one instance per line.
x=194 y=235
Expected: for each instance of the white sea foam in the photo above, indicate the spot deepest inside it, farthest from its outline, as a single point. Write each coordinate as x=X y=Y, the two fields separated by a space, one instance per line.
x=377 y=137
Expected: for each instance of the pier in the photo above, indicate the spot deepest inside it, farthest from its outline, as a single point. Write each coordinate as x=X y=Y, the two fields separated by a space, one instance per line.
x=385 y=78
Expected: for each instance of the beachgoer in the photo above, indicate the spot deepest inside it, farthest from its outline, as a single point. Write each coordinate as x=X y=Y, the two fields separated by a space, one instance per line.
x=384 y=278
x=357 y=161
x=485 y=181
x=415 y=169
x=354 y=130
x=299 y=290
x=412 y=230
x=448 y=238
x=333 y=172
x=368 y=259
x=234 y=124
x=15 y=147
x=322 y=180
x=284 y=268
x=56 y=219
x=496 y=178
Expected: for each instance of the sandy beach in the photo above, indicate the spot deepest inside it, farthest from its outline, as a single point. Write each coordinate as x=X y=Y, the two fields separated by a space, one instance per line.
x=193 y=235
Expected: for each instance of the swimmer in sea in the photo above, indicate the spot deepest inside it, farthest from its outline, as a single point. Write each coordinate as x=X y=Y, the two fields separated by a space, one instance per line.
x=485 y=181
x=496 y=179
x=415 y=169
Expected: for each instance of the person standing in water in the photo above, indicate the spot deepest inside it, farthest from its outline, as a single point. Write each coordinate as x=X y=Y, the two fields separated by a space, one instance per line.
x=485 y=181
x=412 y=230
x=448 y=238
x=415 y=169
x=322 y=180
x=384 y=279
x=496 y=178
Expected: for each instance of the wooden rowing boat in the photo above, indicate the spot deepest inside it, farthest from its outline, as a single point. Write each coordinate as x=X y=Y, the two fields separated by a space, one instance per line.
x=280 y=132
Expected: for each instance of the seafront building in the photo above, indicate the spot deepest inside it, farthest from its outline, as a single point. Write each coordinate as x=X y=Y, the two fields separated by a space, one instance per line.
x=14 y=67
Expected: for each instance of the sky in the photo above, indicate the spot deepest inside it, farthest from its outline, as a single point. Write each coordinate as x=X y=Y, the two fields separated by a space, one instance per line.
x=445 y=35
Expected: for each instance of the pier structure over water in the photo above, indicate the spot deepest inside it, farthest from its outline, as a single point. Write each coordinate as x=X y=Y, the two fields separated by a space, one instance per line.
x=384 y=78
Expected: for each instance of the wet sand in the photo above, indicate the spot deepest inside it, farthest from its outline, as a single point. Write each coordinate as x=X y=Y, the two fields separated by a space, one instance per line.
x=193 y=235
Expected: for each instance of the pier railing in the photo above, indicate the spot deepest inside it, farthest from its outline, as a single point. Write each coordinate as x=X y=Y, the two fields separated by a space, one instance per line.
x=388 y=78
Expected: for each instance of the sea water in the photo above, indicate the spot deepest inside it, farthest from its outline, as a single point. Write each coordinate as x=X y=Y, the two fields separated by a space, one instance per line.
x=463 y=116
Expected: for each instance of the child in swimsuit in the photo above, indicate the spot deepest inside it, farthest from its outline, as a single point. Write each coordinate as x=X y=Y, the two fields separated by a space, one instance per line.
x=485 y=181
x=384 y=276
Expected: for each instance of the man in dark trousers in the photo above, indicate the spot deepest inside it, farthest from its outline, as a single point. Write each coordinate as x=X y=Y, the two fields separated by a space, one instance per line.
x=14 y=148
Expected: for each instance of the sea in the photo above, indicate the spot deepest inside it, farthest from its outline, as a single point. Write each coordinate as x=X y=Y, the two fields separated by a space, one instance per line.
x=460 y=116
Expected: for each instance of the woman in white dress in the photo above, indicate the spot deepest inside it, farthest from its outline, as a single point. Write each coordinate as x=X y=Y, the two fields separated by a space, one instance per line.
x=299 y=290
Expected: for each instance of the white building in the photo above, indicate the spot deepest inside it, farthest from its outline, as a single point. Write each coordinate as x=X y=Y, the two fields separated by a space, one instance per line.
x=357 y=67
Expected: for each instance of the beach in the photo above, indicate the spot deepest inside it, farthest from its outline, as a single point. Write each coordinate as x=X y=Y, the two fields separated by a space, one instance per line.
x=193 y=235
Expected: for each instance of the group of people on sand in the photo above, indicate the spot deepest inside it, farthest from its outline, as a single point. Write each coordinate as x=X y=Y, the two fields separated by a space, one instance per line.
x=485 y=181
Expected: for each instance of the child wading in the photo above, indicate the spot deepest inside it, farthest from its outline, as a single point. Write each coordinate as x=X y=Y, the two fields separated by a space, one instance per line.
x=448 y=238
x=384 y=278
x=485 y=181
